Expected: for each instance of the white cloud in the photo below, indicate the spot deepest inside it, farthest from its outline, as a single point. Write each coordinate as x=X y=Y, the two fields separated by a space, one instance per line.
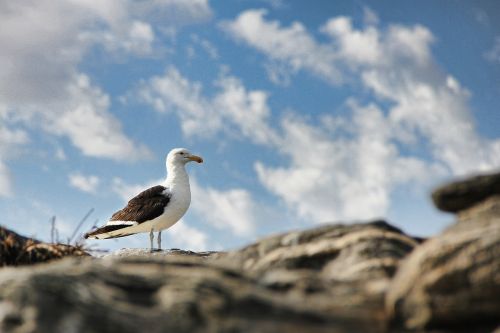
x=292 y=46
x=397 y=65
x=43 y=55
x=331 y=174
x=354 y=46
x=347 y=177
x=347 y=168
x=85 y=183
x=247 y=110
x=136 y=39
x=233 y=110
x=83 y=118
x=232 y=209
x=43 y=44
x=86 y=122
x=182 y=235
x=170 y=12
x=11 y=137
x=173 y=92
x=209 y=48
x=278 y=73
x=438 y=111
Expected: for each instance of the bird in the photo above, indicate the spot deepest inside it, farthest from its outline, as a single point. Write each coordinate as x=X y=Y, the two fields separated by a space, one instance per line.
x=156 y=208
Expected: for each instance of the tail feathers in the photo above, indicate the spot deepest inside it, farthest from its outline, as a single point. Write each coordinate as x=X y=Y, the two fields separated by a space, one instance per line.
x=103 y=232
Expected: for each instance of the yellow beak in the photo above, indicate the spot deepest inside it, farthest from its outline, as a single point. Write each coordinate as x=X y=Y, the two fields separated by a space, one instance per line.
x=196 y=158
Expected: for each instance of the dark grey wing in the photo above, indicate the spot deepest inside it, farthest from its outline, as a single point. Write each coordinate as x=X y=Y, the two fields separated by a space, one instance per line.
x=105 y=229
x=145 y=206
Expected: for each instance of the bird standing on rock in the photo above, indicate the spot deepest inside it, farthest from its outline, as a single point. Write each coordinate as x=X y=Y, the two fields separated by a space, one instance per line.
x=156 y=208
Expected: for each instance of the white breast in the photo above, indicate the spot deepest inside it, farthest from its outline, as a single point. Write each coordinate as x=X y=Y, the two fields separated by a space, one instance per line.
x=176 y=208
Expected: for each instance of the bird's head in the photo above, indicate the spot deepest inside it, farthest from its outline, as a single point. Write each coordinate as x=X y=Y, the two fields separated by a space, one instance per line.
x=182 y=156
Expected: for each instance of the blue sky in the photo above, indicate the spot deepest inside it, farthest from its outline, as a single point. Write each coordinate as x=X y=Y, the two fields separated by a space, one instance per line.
x=339 y=111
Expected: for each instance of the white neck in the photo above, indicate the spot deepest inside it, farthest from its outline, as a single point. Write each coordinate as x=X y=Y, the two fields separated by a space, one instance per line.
x=176 y=175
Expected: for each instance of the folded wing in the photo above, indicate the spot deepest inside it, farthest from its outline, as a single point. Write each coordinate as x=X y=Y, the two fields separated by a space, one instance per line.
x=145 y=206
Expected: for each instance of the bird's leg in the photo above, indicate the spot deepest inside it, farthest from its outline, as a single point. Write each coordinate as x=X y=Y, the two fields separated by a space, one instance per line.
x=151 y=237
x=159 y=240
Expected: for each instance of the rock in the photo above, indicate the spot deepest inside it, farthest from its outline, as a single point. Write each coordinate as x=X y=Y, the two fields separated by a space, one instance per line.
x=350 y=264
x=356 y=252
x=453 y=280
x=161 y=294
x=327 y=279
x=19 y=250
x=124 y=253
x=314 y=248
x=461 y=195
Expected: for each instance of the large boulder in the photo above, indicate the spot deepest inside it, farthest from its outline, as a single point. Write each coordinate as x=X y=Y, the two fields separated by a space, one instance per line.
x=461 y=195
x=352 y=264
x=360 y=251
x=169 y=294
x=453 y=280
x=328 y=279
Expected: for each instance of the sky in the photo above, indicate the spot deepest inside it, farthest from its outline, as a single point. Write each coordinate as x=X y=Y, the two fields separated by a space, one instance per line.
x=304 y=112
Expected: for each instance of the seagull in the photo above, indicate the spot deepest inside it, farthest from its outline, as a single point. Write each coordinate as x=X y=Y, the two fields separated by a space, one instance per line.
x=156 y=208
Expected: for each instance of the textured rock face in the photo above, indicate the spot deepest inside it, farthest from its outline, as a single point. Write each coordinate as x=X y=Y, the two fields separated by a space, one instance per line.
x=453 y=280
x=458 y=196
x=329 y=279
x=351 y=264
x=343 y=252
x=169 y=295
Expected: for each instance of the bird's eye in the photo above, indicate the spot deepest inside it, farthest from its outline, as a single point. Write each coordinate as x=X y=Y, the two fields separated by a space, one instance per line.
x=182 y=153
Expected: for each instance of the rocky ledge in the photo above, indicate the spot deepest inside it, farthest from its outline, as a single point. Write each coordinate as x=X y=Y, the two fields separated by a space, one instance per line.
x=365 y=277
x=16 y=250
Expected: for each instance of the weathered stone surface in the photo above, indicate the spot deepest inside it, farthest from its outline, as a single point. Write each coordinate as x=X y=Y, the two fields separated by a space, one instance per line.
x=19 y=250
x=458 y=196
x=328 y=279
x=453 y=280
x=351 y=264
x=343 y=245
x=170 y=294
